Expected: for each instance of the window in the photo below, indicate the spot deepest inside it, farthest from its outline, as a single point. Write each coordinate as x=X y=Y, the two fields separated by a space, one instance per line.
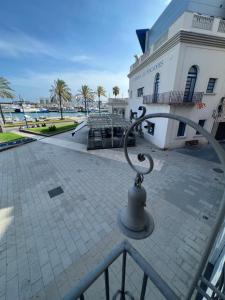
x=181 y=129
x=151 y=128
x=211 y=85
x=140 y=92
x=190 y=84
x=156 y=88
x=200 y=123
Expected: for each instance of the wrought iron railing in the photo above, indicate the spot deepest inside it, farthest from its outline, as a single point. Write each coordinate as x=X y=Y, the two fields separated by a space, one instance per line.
x=148 y=273
x=173 y=97
x=202 y=22
x=221 y=27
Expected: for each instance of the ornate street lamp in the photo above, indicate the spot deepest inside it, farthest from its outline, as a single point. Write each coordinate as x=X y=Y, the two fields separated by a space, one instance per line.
x=134 y=220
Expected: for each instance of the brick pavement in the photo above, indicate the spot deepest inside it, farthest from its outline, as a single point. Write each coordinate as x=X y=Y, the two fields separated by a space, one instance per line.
x=47 y=244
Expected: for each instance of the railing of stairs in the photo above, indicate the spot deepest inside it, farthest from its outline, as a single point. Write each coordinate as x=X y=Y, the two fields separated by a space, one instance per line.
x=124 y=249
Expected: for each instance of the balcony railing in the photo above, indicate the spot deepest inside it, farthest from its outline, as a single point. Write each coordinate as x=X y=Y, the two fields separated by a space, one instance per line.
x=221 y=27
x=172 y=98
x=202 y=22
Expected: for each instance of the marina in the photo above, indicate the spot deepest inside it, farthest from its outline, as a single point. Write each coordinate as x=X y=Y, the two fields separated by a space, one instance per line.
x=16 y=117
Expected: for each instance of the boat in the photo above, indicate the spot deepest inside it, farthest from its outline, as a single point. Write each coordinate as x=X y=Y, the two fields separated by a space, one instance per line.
x=43 y=110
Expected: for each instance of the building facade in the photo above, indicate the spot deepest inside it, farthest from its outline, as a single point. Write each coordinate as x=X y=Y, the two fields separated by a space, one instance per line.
x=117 y=106
x=182 y=71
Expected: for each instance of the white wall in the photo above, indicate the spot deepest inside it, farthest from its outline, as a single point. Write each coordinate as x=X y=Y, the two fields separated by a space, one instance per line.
x=173 y=67
x=211 y=64
x=166 y=66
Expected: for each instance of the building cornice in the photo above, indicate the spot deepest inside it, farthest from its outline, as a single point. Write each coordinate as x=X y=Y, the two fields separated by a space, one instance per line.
x=185 y=37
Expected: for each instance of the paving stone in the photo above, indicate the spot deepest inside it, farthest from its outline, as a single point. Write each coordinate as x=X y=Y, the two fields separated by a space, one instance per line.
x=55 y=241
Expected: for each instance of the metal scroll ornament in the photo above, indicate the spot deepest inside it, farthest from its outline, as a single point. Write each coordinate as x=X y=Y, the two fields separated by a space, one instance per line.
x=133 y=116
x=135 y=222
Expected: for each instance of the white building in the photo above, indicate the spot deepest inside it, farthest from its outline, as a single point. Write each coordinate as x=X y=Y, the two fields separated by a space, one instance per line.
x=182 y=66
x=117 y=106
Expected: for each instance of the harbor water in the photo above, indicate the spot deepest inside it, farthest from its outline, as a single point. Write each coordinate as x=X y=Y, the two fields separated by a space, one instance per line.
x=40 y=115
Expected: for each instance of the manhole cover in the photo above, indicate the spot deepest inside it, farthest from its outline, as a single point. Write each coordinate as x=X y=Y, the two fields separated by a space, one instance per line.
x=217 y=170
x=55 y=192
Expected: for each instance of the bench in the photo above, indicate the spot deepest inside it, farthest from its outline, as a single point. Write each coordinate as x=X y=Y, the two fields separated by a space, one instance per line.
x=191 y=143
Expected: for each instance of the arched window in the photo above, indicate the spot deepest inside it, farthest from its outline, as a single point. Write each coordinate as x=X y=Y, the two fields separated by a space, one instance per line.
x=190 y=84
x=156 y=88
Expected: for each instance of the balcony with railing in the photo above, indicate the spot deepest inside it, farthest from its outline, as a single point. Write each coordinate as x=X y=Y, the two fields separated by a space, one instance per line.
x=202 y=22
x=221 y=27
x=173 y=98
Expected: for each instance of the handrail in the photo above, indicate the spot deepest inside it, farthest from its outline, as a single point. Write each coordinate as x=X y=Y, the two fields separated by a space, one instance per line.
x=123 y=248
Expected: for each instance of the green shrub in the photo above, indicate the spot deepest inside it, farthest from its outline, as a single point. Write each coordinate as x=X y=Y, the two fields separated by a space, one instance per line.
x=52 y=128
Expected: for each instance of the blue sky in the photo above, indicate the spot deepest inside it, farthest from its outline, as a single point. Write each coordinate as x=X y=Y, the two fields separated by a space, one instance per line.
x=81 y=41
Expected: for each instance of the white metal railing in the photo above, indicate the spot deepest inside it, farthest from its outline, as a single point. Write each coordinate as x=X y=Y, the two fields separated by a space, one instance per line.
x=202 y=22
x=221 y=27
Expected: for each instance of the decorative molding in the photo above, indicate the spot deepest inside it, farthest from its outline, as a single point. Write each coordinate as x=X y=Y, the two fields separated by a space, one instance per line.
x=185 y=37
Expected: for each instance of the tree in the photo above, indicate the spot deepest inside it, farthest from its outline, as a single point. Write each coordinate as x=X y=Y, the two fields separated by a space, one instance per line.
x=116 y=91
x=100 y=92
x=60 y=93
x=86 y=94
x=5 y=92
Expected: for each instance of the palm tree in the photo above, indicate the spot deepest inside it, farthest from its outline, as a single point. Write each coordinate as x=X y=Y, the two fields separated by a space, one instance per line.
x=116 y=91
x=5 y=92
x=60 y=93
x=86 y=94
x=100 y=92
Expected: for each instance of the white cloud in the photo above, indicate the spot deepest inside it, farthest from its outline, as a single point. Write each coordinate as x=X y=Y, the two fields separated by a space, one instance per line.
x=34 y=85
x=80 y=58
x=167 y=2
x=16 y=43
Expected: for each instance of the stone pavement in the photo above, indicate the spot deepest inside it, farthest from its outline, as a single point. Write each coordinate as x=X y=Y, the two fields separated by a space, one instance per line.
x=47 y=244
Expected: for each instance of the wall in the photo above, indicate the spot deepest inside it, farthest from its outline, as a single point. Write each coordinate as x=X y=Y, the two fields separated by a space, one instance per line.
x=166 y=65
x=211 y=64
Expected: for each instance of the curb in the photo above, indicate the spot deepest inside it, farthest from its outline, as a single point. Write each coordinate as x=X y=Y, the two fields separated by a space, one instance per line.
x=10 y=146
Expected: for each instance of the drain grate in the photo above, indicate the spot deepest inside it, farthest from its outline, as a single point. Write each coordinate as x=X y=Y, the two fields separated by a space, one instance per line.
x=55 y=192
x=217 y=170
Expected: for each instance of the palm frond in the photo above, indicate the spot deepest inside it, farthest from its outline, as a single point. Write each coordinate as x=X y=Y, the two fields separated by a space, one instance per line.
x=5 y=89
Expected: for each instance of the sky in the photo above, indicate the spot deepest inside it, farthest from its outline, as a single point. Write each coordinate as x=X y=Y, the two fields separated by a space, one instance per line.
x=89 y=42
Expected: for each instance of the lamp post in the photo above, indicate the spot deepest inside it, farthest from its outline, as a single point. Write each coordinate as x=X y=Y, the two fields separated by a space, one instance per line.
x=136 y=222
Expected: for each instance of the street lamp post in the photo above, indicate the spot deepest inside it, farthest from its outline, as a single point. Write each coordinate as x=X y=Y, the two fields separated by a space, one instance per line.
x=135 y=221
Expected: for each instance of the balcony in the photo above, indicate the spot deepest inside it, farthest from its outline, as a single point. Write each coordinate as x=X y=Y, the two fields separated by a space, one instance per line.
x=202 y=22
x=221 y=27
x=172 y=98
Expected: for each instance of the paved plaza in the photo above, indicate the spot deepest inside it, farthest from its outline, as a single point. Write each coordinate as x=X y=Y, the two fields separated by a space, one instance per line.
x=48 y=243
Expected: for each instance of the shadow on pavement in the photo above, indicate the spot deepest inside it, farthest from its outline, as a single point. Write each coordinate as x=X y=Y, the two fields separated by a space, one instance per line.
x=205 y=152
